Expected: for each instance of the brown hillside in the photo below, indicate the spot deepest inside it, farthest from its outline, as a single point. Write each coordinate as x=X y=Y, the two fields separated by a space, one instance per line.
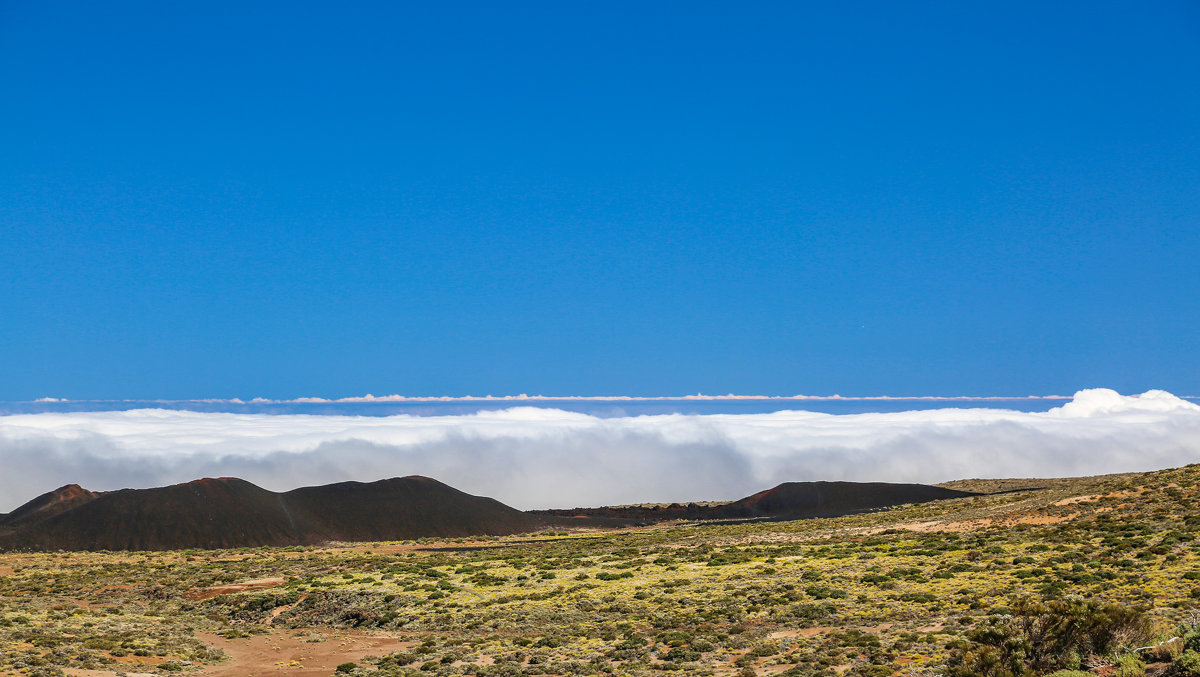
x=813 y=499
x=228 y=512
x=47 y=505
x=790 y=500
x=207 y=513
x=412 y=507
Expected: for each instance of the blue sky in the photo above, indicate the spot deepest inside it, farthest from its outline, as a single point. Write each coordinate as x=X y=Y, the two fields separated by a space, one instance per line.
x=288 y=199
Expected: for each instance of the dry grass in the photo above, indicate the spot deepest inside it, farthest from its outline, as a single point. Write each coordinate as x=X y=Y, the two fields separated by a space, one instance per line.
x=884 y=593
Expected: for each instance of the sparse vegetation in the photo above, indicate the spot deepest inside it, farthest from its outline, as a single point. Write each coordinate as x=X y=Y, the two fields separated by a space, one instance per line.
x=1078 y=577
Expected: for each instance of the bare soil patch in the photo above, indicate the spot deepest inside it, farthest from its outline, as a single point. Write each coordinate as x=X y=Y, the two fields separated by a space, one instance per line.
x=1089 y=498
x=1077 y=499
x=292 y=652
x=77 y=672
x=960 y=526
x=123 y=666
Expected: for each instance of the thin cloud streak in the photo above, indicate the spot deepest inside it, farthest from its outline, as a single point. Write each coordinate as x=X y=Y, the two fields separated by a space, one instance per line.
x=369 y=398
x=539 y=457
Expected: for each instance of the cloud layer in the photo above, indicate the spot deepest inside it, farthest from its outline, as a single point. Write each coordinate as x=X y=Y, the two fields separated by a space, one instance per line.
x=536 y=457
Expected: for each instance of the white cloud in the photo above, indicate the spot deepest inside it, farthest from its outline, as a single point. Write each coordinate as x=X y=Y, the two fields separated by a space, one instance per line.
x=537 y=457
x=369 y=398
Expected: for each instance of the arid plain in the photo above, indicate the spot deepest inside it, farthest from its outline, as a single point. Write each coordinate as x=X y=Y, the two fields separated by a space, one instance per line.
x=1098 y=574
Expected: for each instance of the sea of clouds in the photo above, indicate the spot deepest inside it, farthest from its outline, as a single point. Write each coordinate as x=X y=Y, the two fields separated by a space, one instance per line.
x=538 y=457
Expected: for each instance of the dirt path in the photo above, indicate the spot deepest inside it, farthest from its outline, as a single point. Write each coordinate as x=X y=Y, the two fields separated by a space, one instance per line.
x=256 y=584
x=292 y=652
x=76 y=672
x=283 y=652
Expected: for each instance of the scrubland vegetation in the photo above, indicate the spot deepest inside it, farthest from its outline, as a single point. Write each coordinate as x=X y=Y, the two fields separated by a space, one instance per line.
x=1065 y=577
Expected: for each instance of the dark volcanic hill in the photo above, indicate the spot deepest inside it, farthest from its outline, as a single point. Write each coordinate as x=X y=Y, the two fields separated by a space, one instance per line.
x=228 y=512
x=233 y=513
x=819 y=499
x=790 y=500
x=47 y=505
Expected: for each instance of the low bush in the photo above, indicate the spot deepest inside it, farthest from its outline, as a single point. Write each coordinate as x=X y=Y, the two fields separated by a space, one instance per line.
x=1041 y=637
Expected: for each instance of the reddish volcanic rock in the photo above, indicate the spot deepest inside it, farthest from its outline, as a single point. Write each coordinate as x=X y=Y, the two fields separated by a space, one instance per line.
x=47 y=505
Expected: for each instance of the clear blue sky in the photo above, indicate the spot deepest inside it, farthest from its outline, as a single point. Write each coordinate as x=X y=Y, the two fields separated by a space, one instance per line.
x=218 y=199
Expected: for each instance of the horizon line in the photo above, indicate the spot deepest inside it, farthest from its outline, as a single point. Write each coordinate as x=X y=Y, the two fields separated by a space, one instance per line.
x=383 y=399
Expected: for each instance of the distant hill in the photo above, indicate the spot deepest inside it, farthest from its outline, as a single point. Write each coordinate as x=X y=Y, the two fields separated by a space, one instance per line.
x=820 y=499
x=790 y=500
x=232 y=513
x=47 y=505
x=229 y=512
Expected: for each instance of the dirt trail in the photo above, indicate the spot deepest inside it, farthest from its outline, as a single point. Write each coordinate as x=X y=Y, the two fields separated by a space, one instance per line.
x=289 y=652
x=216 y=591
x=77 y=672
x=279 y=610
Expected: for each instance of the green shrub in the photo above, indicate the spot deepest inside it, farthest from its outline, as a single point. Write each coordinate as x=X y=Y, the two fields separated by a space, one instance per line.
x=1130 y=665
x=825 y=592
x=1188 y=663
x=1042 y=637
x=1191 y=640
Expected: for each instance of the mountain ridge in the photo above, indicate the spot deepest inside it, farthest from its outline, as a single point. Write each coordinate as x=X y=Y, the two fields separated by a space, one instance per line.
x=788 y=500
x=228 y=512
